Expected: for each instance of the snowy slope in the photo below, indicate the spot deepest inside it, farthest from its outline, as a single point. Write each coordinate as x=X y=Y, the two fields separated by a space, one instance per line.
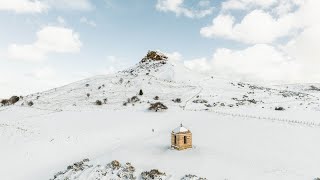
x=168 y=80
x=237 y=133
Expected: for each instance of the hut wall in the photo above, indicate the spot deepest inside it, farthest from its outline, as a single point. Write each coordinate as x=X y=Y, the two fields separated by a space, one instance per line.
x=180 y=145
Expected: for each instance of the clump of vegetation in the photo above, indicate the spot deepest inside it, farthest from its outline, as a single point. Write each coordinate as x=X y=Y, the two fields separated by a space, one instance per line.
x=14 y=99
x=88 y=95
x=200 y=101
x=158 y=106
x=121 y=80
x=114 y=169
x=30 y=103
x=4 y=102
x=11 y=101
x=314 y=88
x=140 y=92
x=105 y=100
x=115 y=164
x=192 y=177
x=152 y=174
x=98 y=102
x=87 y=85
x=279 y=108
x=177 y=100
x=133 y=99
x=156 y=98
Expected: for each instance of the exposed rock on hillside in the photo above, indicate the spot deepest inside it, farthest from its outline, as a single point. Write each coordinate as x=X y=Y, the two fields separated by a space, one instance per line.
x=154 y=56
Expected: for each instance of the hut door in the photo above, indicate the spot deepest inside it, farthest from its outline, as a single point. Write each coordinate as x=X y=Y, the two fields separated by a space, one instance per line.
x=185 y=139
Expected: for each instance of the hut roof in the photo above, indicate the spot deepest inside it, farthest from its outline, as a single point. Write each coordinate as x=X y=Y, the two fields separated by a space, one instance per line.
x=180 y=129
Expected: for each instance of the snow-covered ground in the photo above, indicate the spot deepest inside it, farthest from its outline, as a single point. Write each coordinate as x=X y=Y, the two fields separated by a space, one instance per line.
x=38 y=144
x=237 y=133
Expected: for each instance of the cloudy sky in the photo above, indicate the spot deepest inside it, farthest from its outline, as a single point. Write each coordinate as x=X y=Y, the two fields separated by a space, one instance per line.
x=48 y=43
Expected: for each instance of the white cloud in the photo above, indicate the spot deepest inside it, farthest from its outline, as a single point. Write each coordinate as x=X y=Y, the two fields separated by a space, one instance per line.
x=50 y=39
x=285 y=19
x=258 y=62
x=178 y=7
x=295 y=58
x=175 y=56
x=256 y=27
x=84 y=20
x=23 y=6
x=305 y=49
x=113 y=65
x=40 y=6
x=201 y=65
x=61 y=20
x=247 y=4
x=84 y=5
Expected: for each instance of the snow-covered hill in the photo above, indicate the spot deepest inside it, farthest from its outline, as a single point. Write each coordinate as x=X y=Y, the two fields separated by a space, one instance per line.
x=168 y=80
x=89 y=129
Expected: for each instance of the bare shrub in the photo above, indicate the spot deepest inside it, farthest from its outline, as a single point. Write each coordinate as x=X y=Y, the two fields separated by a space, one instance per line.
x=279 y=108
x=98 y=102
x=152 y=174
x=177 y=100
x=140 y=92
x=30 y=103
x=158 y=106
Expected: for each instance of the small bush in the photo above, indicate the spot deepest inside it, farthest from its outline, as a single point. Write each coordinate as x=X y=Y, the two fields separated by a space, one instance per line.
x=98 y=102
x=30 y=103
x=157 y=107
x=177 y=100
x=4 y=102
x=153 y=174
x=105 y=100
x=192 y=177
x=279 y=108
x=140 y=92
x=88 y=95
x=14 y=99
x=134 y=99
x=11 y=101
x=87 y=85
x=200 y=101
x=314 y=88
x=156 y=98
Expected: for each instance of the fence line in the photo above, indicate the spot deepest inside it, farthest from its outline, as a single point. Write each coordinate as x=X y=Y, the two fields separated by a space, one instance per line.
x=268 y=118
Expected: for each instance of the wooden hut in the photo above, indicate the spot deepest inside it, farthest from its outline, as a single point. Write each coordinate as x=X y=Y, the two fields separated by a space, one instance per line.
x=181 y=138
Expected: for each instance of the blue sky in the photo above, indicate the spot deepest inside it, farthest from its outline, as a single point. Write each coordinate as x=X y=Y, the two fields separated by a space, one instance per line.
x=107 y=35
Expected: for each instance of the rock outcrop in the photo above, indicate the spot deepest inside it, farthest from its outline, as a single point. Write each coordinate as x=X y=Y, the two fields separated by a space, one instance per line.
x=154 y=56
